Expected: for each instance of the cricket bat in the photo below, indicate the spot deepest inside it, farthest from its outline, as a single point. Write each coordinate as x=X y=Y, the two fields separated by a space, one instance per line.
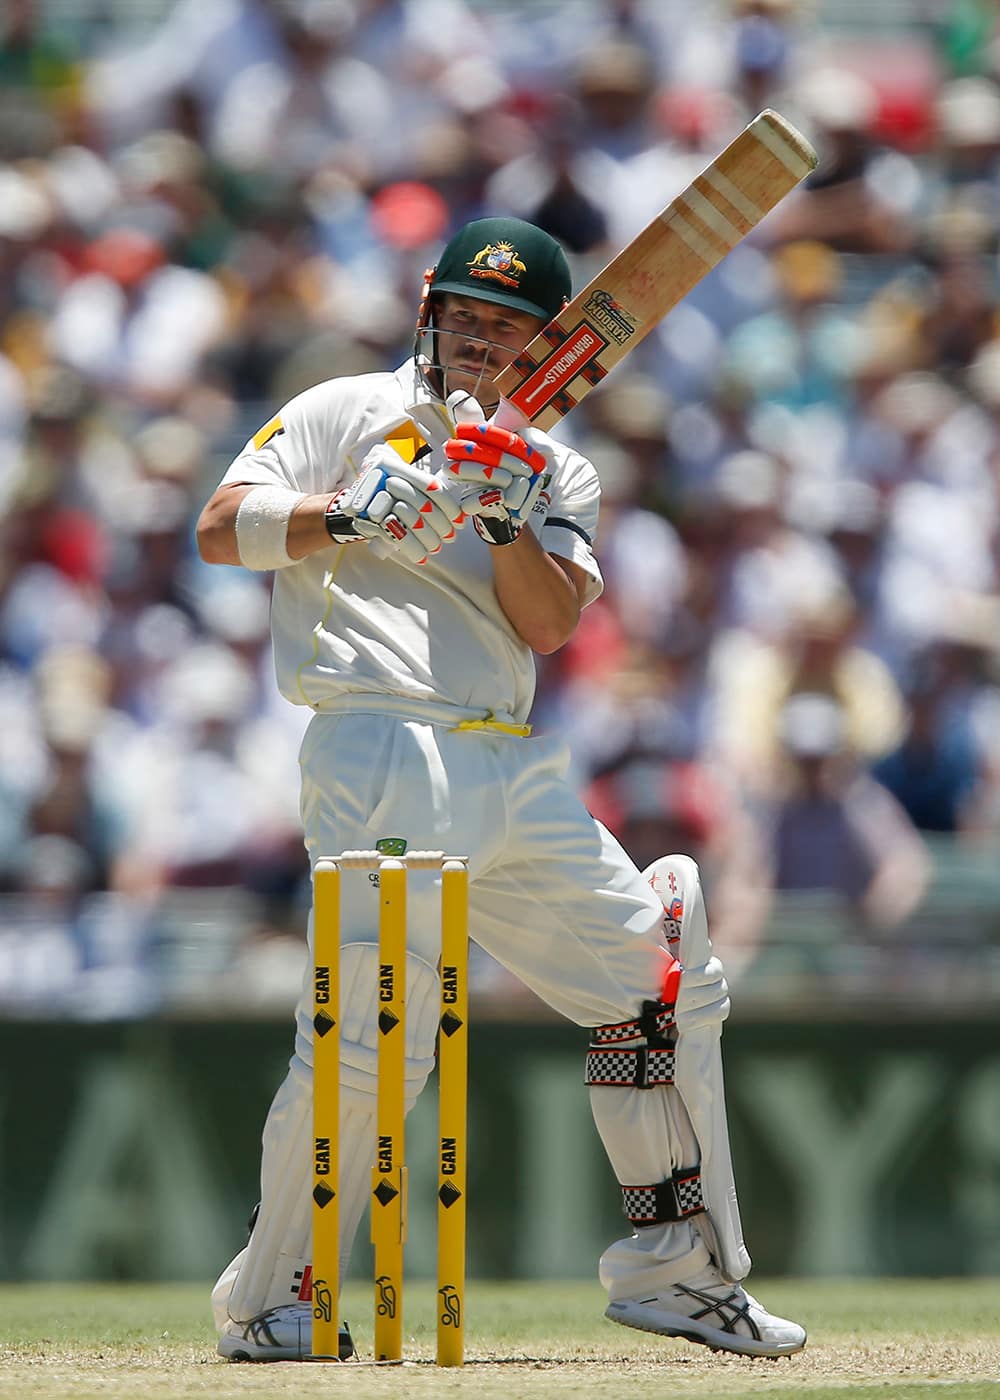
x=623 y=303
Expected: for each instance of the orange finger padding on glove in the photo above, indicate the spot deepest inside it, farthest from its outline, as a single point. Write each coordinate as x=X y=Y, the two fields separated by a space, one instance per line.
x=503 y=475
x=490 y=447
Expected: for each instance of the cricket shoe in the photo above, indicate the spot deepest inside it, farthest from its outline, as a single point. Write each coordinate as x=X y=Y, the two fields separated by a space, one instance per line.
x=719 y=1315
x=280 y=1334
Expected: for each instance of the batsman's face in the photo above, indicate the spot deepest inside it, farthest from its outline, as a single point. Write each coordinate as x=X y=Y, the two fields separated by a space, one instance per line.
x=477 y=339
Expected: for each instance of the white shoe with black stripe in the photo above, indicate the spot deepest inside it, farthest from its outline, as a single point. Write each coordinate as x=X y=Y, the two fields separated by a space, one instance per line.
x=715 y=1314
x=281 y=1334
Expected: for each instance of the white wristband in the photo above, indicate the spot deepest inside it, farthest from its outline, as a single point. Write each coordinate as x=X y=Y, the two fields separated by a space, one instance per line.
x=262 y=527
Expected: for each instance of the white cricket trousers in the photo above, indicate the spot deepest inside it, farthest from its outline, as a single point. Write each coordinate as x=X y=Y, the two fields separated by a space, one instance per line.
x=553 y=898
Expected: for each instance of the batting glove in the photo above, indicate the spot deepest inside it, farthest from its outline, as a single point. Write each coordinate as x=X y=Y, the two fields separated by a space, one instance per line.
x=406 y=508
x=703 y=997
x=504 y=474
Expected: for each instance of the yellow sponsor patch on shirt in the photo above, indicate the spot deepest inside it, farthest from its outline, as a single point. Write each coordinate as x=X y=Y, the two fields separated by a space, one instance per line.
x=406 y=440
x=266 y=433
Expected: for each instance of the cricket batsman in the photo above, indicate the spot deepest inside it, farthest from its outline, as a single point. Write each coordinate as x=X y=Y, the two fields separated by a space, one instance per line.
x=422 y=555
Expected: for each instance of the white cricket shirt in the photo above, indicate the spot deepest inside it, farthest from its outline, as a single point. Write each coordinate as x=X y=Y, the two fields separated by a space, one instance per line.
x=356 y=620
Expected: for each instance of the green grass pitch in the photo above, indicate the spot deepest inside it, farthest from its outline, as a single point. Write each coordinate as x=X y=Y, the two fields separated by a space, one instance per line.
x=891 y=1339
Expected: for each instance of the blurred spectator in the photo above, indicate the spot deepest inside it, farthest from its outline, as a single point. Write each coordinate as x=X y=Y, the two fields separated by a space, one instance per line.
x=657 y=804
x=605 y=694
x=632 y=414
x=941 y=515
x=762 y=41
x=967 y=156
x=194 y=52
x=52 y=777
x=771 y=573
x=168 y=187
x=703 y=432
x=614 y=85
x=803 y=351
x=53 y=593
x=855 y=528
x=66 y=808
x=561 y=184
x=40 y=80
x=311 y=102
x=686 y=130
x=964 y=34
x=135 y=323
x=267 y=272
x=861 y=199
x=199 y=812
x=643 y=562
x=818 y=655
x=26 y=222
x=935 y=773
x=439 y=62
x=828 y=826
x=958 y=311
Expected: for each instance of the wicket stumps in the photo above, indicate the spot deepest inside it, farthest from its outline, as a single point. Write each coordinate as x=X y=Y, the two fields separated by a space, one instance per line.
x=389 y=1192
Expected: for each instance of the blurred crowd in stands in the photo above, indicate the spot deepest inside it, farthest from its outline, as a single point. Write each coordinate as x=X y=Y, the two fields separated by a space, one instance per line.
x=793 y=673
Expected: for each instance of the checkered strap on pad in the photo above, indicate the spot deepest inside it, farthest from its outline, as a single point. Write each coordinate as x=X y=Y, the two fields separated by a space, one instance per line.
x=637 y=1068
x=673 y=1199
x=655 y=1023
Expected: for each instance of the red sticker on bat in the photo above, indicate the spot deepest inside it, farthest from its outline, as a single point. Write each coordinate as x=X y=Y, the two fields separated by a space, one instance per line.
x=557 y=369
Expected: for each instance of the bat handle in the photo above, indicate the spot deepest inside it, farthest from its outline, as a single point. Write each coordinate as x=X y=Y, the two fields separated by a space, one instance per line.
x=507 y=416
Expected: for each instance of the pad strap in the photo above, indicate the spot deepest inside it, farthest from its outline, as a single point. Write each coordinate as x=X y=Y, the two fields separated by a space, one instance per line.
x=655 y=1022
x=637 y=1068
x=670 y=1200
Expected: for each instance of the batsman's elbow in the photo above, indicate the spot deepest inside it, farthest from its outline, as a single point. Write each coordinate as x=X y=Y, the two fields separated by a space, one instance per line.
x=210 y=540
x=215 y=532
x=549 y=637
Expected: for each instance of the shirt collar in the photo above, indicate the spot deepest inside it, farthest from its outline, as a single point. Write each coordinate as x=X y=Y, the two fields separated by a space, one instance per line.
x=421 y=404
x=415 y=390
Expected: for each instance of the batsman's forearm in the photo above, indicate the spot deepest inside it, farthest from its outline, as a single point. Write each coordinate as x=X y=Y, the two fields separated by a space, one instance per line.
x=307 y=532
x=216 y=531
x=538 y=597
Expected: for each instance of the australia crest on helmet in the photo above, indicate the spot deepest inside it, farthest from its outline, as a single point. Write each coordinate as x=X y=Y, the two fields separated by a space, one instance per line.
x=498 y=262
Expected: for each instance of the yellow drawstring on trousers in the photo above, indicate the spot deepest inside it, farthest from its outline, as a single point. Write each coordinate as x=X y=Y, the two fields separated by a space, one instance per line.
x=490 y=723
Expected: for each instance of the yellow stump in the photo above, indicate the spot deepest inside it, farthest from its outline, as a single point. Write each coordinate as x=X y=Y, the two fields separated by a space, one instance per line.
x=388 y=1205
x=326 y=1110
x=453 y=1048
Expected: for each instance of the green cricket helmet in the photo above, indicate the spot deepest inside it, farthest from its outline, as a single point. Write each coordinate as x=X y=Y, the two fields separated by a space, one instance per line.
x=507 y=261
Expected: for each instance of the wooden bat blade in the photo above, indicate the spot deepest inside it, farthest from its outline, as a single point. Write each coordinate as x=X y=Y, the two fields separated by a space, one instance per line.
x=623 y=303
